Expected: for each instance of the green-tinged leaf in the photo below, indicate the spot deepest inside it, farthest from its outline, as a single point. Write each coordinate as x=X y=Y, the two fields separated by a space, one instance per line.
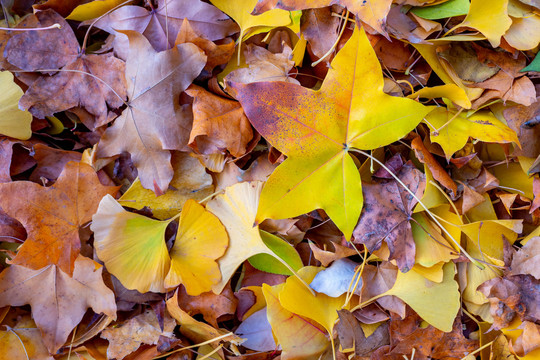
x=281 y=248
x=447 y=9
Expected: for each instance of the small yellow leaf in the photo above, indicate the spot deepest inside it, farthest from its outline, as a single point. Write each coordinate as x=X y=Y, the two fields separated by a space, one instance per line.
x=132 y=246
x=490 y=18
x=93 y=9
x=296 y=298
x=200 y=240
x=436 y=303
x=431 y=246
x=299 y=337
x=449 y=91
x=13 y=122
x=452 y=129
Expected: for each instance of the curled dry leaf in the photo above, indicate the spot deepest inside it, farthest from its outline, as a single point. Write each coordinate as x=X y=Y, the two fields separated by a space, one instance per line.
x=219 y=124
x=142 y=329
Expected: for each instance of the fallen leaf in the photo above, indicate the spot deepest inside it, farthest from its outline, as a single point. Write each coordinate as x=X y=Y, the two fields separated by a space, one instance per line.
x=190 y=181
x=526 y=260
x=386 y=214
x=58 y=300
x=219 y=124
x=236 y=210
x=211 y=306
x=152 y=124
x=201 y=239
x=337 y=279
x=53 y=215
x=133 y=248
x=299 y=337
x=93 y=9
x=161 y=25
x=491 y=19
x=142 y=329
x=23 y=341
x=317 y=140
x=370 y=12
x=257 y=331
x=15 y=122
x=352 y=337
x=51 y=162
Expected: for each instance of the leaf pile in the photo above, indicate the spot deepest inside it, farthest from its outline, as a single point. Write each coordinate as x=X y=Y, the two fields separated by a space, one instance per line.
x=190 y=179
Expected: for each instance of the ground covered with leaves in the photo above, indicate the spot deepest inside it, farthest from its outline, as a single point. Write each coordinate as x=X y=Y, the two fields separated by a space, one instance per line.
x=292 y=179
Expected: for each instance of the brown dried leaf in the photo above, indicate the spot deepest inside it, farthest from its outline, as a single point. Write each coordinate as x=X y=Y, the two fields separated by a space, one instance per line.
x=58 y=301
x=527 y=259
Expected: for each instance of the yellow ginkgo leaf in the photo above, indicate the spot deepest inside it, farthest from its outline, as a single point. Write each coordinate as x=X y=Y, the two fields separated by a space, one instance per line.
x=321 y=308
x=299 y=338
x=132 y=246
x=13 y=122
x=490 y=18
x=93 y=9
x=449 y=91
x=431 y=246
x=190 y=181
x=436 y=303
x=236 y=210
x=451 y=129
x=200 y=240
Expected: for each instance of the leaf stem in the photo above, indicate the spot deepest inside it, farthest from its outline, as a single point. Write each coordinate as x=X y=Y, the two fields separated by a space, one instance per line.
x=331 y=50
x=53 y=26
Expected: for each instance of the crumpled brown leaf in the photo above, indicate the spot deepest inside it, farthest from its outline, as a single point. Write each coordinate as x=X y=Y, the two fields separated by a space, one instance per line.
x=351 y=335
x=58 y=301
x=385 y=216
x=154 y=122
x=94 y=82
x=142 y=329
x=219 y=124
x=527 y=259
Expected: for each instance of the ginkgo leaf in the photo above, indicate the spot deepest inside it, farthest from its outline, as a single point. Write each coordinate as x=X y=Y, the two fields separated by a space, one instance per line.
x=451 y=129
x=490 y=18
x=300 y=338
x=431 y=246
x=58 y=300
x=442 y=10
x=131 y=246
x=240 y=11
x=372 y=12
x=23 y=341
x=14 y=123
x=281 y=248
x=296 y=298
x=236 y=210
x=200 y=240
x=317 y=129
x=53 y=215
x=436 y=303
x=153 y=123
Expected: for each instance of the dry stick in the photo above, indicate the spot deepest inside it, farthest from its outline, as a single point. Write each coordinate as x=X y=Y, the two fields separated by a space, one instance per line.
x=474 y=261
x=335 y=43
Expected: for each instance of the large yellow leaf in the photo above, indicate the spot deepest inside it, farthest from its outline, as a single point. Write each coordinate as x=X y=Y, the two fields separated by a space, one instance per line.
x=317 y=129
x=13 y=122
x=132 y=246
x=296 y=298
x=436 y=303
x=490 y=18
x=299 y=337
x=236 y=209
x=451 y=129
x=200 y=240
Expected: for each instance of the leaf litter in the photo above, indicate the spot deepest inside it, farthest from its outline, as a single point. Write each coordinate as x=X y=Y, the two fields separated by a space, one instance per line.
x=269 y=179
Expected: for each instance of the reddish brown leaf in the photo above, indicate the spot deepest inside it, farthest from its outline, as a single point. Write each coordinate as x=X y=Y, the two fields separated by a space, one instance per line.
x=211 y=306
x=52 y=215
